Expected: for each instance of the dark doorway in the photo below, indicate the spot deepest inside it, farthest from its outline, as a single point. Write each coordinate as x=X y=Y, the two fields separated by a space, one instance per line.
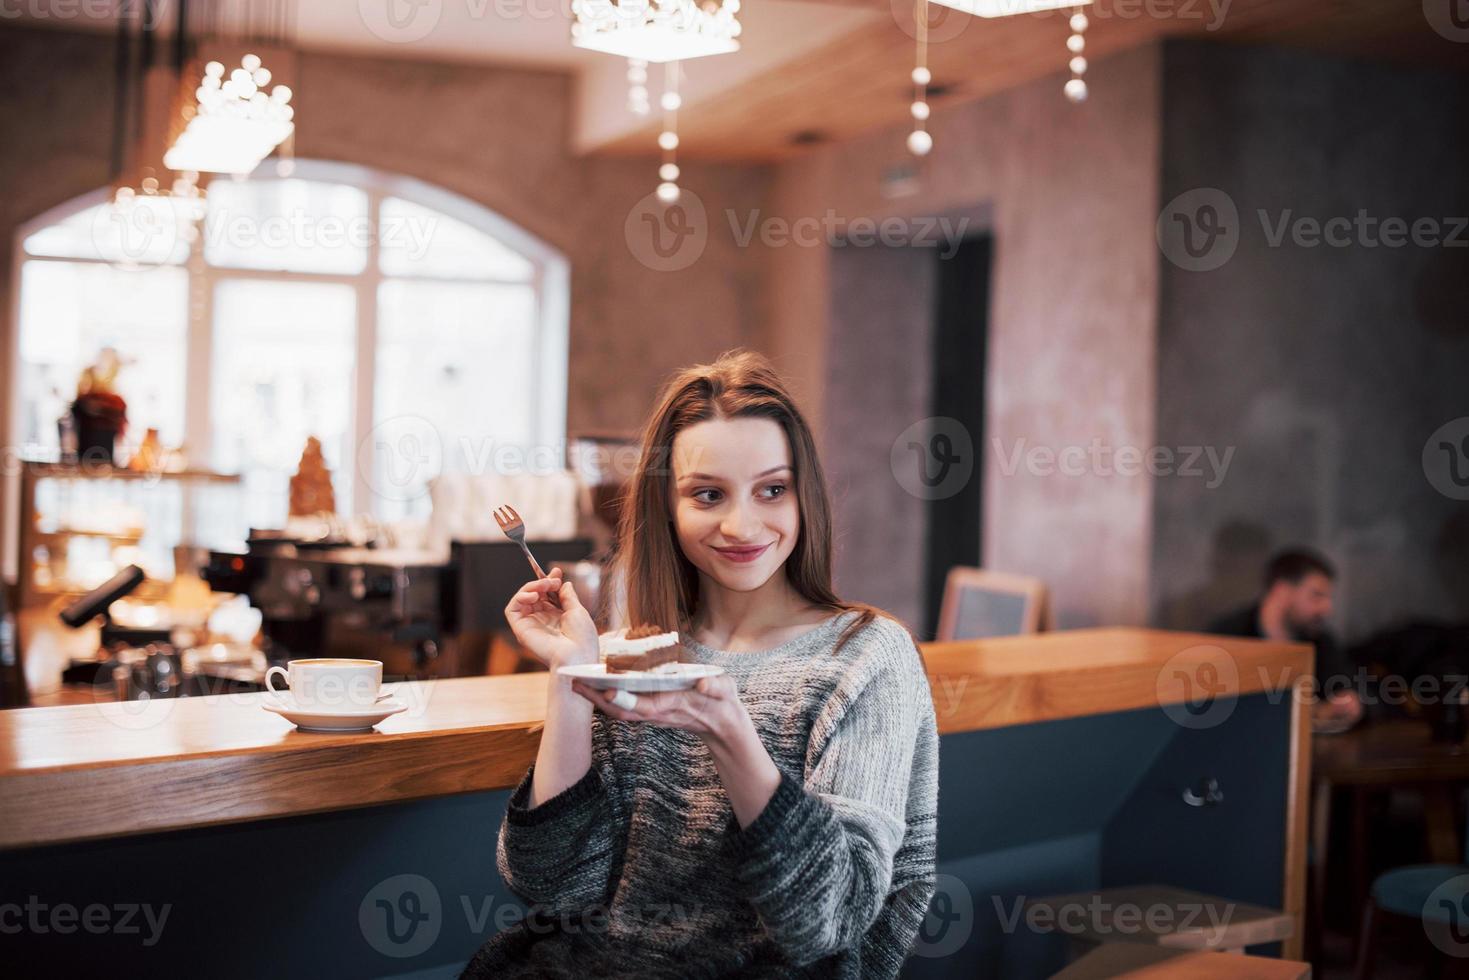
x=960 y=330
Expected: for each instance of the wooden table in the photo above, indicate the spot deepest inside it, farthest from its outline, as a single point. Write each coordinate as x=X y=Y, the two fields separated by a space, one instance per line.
x=1193 y=921
x=1372 y=758
x=1132 y=961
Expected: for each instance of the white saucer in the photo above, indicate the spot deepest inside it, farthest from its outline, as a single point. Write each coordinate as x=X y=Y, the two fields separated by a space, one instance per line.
x=641 y=681
x=327 y=720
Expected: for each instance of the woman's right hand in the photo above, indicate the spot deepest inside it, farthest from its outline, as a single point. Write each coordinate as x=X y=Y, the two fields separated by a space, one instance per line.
x=556 y=637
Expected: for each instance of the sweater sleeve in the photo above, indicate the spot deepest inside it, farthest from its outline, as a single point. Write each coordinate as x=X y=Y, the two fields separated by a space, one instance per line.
x=817 y=863
x=559 y=855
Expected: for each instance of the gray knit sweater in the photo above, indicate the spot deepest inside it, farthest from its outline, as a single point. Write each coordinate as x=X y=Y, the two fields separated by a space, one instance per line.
x=640 y=867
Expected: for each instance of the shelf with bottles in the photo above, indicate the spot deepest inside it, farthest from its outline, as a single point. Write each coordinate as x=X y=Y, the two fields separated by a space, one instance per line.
x=81 y=523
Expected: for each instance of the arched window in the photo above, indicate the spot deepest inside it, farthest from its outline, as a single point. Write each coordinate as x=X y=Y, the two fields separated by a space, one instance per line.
x=407 y=328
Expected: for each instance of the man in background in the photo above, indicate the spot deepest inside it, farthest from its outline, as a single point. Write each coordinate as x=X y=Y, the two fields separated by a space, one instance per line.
x=1294 y=608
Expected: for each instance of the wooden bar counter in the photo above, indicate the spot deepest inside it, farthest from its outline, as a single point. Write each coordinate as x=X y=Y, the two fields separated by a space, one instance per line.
x=1084 y=735
x=86 y=771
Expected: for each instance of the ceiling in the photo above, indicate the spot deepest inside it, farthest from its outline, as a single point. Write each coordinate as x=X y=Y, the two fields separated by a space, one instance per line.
x=813 y=71
x=860 y=81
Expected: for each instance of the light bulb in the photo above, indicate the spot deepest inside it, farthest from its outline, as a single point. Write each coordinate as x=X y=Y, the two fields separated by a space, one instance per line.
x=920 y=110
x=1078 y=65
x=921 y=76
x=919 y=142
x=214 y=69
x=1078 y=22
x=668 y=139
x=668 y=192
x=670 y=101
x=1076 y=90
x=250 y=62
x=261 y=77
x=669 y=171
x=240 y=77
x=281 y=94
x=1075 y=43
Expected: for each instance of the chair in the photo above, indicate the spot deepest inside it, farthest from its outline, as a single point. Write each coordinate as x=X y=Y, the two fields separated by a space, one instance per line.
x=979 y=603
x=1437 y=895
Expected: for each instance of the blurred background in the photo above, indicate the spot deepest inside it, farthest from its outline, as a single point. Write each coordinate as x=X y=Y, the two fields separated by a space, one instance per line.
x=1114 y=302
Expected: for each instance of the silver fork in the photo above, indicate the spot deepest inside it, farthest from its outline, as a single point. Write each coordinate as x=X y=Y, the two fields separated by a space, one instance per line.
x=514 y=529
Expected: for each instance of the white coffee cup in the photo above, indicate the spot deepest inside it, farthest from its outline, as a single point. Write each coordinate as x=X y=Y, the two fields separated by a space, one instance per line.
x=332 y=683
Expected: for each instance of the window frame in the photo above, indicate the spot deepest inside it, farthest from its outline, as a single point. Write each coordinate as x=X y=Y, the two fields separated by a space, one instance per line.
x=549 y=282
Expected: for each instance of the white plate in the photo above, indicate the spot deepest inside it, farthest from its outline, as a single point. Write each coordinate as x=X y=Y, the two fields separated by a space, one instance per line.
x=322 y=720
x=641 y=681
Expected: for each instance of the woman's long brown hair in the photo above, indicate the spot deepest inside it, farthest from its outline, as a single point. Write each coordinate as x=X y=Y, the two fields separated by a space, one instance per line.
x=663 y=585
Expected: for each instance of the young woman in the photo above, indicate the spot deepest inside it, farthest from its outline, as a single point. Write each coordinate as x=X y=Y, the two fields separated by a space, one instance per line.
x=776 y=820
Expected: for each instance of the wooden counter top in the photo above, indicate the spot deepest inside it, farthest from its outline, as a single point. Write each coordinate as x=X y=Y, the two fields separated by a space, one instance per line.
x=117 y=768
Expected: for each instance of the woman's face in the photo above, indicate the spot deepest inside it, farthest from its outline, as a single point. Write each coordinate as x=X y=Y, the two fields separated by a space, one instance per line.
x=734 y=499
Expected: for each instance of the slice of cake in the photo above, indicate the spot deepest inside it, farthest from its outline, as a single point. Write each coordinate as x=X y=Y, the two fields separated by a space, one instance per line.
x=639 y=648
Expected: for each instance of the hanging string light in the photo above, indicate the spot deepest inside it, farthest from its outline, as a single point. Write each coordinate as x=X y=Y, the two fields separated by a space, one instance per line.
x=920 y=141
x=1076 y=86
x=668 y=139
x=637 y=86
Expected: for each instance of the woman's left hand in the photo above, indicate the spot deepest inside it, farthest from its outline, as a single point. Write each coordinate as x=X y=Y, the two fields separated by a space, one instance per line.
x=710 y=709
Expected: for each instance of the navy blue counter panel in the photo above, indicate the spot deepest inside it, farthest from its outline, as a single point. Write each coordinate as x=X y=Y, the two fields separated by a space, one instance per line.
x=297 y=897
x=1097 y=802
x=1235 y=848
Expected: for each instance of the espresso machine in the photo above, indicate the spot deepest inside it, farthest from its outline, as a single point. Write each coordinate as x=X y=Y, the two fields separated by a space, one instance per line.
x=422 y=615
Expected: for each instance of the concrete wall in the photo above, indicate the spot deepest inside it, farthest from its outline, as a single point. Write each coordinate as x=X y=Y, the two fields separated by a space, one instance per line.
x=1072 y=192
x=1324 y=368
x=882 y=302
